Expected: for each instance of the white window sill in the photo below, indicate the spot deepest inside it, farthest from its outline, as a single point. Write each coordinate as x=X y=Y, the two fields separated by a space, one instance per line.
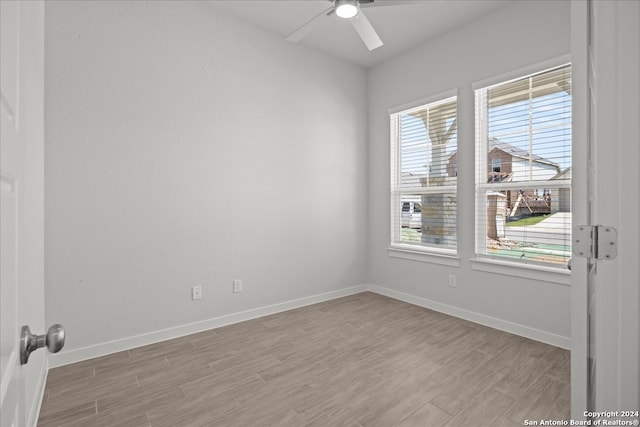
x=449 y=258
x=535 y=272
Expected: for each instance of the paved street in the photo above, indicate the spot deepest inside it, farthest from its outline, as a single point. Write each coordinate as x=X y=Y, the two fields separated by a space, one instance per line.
x=552 y=230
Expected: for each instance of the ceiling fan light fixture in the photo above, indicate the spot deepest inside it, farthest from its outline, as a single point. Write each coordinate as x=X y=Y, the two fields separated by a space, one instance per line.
x=346 y=9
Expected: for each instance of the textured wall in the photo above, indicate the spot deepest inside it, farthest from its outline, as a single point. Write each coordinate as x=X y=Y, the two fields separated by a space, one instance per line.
x=184 y=147
x=511 y=38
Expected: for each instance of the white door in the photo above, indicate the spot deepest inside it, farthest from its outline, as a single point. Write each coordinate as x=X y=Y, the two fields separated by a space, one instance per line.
x=21 y=188
x=615 y=58
x=605 y=371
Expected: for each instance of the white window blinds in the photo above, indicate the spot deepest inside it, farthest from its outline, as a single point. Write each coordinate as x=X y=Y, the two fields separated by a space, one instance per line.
x=523 y=168
x=424 y=177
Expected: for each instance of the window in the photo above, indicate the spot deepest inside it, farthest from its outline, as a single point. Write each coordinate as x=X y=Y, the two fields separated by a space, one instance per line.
x=424 y=177
x=495 y=164
x=523 y=169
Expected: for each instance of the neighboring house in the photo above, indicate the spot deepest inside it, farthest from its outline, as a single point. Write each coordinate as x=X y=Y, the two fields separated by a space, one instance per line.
x=507 y=163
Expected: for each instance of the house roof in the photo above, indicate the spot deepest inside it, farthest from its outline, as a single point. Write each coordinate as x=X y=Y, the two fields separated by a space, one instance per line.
x=565 y=174
x=495 y=143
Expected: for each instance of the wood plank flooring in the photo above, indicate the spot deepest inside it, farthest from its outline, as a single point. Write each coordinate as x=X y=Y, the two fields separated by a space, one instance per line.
x=362 y=360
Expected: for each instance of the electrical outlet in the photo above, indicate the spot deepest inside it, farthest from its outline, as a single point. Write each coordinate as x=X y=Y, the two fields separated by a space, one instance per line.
x=452 y=280
x=237 y=286
x=196 y=293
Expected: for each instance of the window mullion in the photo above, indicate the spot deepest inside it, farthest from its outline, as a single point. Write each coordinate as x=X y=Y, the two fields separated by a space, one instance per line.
x=481 y=168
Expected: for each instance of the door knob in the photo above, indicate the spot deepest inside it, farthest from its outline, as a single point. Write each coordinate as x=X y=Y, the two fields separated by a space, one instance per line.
x=53 y=340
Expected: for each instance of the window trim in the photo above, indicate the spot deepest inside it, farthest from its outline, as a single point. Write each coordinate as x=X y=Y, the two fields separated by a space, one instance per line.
x=404 y=250
x=409 y=252
x=520 y=72
x=480 y=261
x=420 y=102
x=538 y=272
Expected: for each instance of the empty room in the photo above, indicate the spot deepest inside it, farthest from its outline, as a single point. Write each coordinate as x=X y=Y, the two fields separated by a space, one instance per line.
x=320 y=213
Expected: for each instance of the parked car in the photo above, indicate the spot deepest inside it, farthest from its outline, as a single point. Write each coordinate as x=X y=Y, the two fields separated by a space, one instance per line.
x=411 y=214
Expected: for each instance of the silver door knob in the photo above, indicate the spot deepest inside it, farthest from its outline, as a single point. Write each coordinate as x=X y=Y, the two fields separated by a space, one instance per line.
x=53 y=340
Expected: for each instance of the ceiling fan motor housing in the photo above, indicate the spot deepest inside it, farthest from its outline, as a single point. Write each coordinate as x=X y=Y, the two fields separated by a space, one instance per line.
x=346 y=9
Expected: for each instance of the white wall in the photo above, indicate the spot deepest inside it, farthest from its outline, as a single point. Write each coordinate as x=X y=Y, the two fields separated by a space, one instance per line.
x=185 y=147
x=508 y=39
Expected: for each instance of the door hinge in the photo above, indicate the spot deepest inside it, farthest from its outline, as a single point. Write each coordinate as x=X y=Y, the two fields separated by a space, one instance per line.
x=595 y=241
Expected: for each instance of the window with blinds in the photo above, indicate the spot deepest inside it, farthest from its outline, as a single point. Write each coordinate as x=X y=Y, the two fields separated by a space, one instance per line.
x=424 y=177
x=523 y=169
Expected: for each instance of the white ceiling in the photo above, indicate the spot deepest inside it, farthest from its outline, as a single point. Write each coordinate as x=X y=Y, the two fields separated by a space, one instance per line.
x=400 y=26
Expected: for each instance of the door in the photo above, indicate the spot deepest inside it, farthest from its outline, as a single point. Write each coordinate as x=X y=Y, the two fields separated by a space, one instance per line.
x=22 y=220
x=605 y=371
x=614 y=51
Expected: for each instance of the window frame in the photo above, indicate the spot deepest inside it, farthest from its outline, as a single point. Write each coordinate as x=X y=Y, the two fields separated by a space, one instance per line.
x=398 y=248
x=497 y=162
x=496 y=264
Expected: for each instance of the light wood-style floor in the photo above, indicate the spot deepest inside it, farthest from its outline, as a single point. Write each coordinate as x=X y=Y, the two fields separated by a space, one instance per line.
x=362 y=360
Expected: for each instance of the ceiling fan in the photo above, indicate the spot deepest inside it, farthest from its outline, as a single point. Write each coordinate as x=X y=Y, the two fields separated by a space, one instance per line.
x=349 y=10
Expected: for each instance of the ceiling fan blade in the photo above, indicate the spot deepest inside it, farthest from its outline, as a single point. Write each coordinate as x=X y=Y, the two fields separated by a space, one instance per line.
x=301 y=32
x=366 y=31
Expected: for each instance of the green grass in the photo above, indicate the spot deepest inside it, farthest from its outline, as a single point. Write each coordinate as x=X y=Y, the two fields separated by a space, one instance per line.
x=532 y=254
x=410 y=235
x=532 y=220
x=541 y=252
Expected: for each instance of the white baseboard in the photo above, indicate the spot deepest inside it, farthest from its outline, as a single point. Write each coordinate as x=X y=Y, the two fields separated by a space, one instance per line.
x=482 y=319
x=85 y=353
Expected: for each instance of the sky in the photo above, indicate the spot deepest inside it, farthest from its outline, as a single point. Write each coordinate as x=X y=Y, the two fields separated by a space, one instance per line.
x=549 y=120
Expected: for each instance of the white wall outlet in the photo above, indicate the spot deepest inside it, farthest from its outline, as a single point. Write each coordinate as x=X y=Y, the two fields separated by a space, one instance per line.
x=237 y=286
x=196 y=293
x=452 y=280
